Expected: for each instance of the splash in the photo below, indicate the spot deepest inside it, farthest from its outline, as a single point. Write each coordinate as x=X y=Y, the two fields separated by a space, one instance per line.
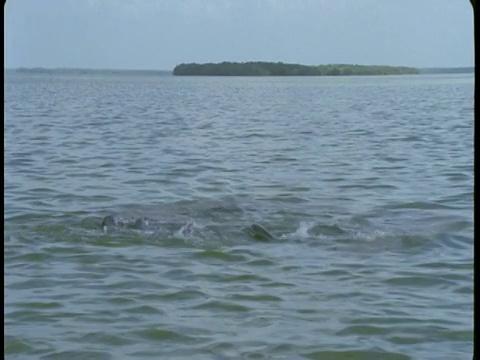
x=187 y=230
x=303 y=230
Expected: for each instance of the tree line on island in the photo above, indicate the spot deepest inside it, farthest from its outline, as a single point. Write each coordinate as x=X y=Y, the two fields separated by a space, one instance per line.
x=261 y=68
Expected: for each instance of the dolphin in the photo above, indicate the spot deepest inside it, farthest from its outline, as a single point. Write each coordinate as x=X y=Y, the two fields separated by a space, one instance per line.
x=258 y=232
x=109 y=221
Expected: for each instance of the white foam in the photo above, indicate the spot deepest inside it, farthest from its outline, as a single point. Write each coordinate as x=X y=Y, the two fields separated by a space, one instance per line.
x=303 y=229
x=187 y=229
x=369 y=236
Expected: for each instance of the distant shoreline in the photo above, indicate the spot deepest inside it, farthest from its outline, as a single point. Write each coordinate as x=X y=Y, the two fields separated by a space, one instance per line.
x=85 y=71
x=262 y=68
x=454 y=70
x=79 y=71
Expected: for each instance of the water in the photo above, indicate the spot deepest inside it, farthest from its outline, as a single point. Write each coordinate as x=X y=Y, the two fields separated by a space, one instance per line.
x=366 y=184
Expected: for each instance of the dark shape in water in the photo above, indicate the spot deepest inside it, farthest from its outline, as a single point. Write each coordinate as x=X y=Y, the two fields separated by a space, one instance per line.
x=109 y=221
x=258 y=232
x=140 y=224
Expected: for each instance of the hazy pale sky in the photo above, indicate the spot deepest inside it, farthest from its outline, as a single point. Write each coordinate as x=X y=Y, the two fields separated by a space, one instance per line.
x=159 y=34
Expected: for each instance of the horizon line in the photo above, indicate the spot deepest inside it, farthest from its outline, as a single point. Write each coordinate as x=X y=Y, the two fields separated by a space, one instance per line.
x=171 y=70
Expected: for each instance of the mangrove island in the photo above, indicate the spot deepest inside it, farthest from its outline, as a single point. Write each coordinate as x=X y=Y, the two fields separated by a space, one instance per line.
x=262 y=68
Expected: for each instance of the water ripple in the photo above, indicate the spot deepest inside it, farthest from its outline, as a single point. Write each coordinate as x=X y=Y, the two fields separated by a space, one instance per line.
x=365 y=184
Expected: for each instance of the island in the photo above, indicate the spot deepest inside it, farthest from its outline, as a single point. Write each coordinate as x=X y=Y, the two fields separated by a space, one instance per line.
x=262 y=68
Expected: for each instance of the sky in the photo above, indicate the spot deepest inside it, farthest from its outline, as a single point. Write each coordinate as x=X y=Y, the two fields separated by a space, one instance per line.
x=159 y=34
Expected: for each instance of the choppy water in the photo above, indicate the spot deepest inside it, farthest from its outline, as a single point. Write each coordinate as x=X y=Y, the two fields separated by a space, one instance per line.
x=366 y=184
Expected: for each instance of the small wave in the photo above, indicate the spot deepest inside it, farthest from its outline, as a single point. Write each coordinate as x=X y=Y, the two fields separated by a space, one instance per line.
x=260 y=298
x=162 y=335
x=223 y=306
x=423 y=205
x=78 y=354
x=219 y=255
x=356 y=354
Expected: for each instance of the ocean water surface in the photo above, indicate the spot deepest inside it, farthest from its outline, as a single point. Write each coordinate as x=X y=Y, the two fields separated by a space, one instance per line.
x=365 y=183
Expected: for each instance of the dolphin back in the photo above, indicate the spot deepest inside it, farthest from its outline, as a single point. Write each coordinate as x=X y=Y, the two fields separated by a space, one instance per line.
x=258 y=232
